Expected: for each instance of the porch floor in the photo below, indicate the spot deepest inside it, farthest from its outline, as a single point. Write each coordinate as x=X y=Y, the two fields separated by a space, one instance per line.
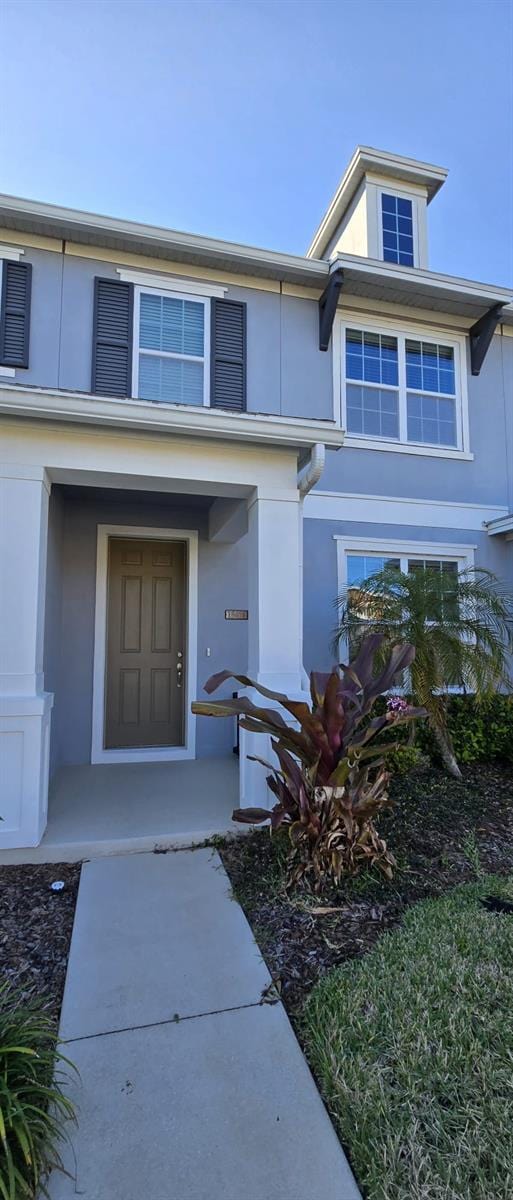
x=124 y=807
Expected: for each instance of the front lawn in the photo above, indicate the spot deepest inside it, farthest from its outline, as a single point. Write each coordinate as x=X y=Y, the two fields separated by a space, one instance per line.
x=413 y=1049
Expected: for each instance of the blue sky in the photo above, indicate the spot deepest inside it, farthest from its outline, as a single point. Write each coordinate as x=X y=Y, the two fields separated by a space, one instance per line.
x=236 y=118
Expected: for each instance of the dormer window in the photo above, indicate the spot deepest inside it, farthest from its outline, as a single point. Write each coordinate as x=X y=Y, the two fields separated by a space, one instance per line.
x=397 y=226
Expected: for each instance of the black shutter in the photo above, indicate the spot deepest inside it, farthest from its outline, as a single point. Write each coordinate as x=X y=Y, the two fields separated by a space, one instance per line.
x=112 y=338
x=228 y=355
x=15 y=314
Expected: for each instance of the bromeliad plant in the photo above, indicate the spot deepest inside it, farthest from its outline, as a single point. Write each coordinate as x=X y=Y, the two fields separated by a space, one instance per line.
x=331 y=779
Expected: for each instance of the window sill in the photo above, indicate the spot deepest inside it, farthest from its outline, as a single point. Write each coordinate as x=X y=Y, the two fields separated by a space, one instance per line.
x=361 y=443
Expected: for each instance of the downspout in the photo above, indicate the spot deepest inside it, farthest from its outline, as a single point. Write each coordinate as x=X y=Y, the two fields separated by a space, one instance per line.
x=307 y=478
x=313 y=469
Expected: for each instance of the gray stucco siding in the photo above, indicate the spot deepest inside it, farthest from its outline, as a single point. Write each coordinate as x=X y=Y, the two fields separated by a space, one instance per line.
x=287 y=374
x=71 y=592
x=45 y=319
x=506 y=354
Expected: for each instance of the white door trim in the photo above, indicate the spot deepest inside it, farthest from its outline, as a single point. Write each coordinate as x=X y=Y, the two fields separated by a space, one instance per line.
x=151 y=753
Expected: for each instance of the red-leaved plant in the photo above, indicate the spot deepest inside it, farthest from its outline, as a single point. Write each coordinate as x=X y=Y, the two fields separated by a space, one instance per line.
x=331 y=779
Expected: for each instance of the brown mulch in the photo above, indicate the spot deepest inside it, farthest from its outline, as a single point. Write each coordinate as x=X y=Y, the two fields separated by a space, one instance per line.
x=442 y=833
x=35 y=928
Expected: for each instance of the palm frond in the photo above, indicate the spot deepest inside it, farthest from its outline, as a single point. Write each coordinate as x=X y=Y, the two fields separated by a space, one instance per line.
x=461 y=627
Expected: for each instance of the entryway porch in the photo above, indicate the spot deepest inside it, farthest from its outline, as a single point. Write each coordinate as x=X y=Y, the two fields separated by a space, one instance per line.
x=120 y=808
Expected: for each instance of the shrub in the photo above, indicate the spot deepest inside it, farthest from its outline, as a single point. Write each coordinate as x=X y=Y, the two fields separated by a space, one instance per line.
x=404 y=759
x=480 y=731
x=32 y=1106
x=331 y=779
x=412 y=1046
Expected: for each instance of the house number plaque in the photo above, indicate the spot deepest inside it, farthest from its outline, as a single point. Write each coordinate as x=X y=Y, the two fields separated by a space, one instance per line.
x=235 y=614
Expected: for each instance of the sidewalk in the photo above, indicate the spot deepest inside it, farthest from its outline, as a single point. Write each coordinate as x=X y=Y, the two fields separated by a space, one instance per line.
x=190 y=1089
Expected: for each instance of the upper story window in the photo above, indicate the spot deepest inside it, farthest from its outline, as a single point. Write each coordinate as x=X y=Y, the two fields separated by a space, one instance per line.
x=431 y=393
x=373 y=405
x=401 y=390
x=397 y=228
x=168 y=341
x=170 y=348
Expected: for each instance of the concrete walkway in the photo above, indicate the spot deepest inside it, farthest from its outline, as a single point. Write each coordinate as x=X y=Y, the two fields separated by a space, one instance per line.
x=190 y=1088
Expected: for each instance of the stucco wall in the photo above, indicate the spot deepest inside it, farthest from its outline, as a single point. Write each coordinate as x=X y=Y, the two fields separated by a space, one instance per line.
x=70 y=601
x=287 y=374
x=70 y=628
x=286 y=371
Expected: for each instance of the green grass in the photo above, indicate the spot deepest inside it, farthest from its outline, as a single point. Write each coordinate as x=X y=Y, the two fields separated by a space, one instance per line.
x=413 y=1049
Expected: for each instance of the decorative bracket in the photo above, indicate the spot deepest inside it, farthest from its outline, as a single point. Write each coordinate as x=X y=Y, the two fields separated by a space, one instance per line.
x=328 y=307
x=481 y=335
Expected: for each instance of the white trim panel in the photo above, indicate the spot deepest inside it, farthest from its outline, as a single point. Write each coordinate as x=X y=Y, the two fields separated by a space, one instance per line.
x=394 y=510
x=151 y=753
x=13 y=253
x=170 y=283
x=404 y=547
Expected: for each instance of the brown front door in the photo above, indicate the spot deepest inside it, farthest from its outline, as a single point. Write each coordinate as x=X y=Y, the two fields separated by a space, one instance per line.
x=145 y=685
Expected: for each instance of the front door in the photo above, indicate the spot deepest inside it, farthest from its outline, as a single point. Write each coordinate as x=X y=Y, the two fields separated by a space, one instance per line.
x=145 y=664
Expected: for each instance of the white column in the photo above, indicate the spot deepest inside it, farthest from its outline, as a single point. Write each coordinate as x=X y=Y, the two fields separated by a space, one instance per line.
x=275 y=621
x=24 y=705
x=274 y=563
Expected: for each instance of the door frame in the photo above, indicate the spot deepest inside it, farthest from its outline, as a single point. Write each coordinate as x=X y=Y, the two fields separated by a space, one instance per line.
x=143 y=753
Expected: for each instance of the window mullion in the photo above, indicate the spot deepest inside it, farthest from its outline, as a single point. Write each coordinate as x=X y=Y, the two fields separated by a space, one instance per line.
x=403 y=415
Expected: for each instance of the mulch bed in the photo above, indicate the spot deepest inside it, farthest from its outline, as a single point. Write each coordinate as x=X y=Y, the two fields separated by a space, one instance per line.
x=35 y=928
x=442 y=832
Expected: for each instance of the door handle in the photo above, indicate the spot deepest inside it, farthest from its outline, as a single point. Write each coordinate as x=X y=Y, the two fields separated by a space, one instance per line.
x=179 y=670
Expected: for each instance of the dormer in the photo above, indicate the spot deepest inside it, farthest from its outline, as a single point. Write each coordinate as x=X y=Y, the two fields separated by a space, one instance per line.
x=379 y=210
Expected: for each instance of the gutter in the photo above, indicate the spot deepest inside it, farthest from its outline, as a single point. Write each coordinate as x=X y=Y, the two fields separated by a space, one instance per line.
x=181 y=420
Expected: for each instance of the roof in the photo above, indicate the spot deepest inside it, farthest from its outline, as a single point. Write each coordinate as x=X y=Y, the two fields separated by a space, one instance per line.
x=362 y=276
x=366 y=159
x=500 y=525
x=93 y=229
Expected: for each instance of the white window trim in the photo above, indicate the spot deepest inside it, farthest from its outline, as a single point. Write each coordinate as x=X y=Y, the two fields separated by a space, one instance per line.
x=13 y=253
x=171 y=283
x=403 y=195
x=136 y=350
x=402 y=330
x=151 y=753
x=400 y=548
